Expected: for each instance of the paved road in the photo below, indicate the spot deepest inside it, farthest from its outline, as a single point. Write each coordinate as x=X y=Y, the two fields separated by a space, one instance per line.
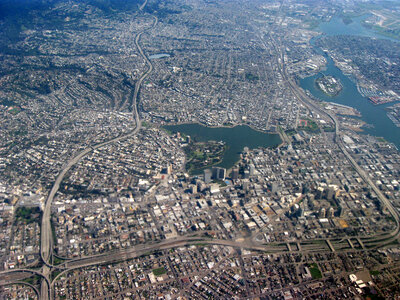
x=143 y=5
x=129 y=253
x=303 y=98
x=338 y=139
x=46 y=246
x=139 y=250
x=144 y=75
x=46 y=232
x=24 y=283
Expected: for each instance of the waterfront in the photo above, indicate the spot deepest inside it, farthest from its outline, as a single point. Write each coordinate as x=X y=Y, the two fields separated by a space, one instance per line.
x=336 y=26
x=158 y=56
x=236 y=138
x=373 y=115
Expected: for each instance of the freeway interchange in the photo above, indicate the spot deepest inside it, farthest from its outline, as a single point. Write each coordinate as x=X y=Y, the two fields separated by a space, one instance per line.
x=47 y=284
x=46 y=231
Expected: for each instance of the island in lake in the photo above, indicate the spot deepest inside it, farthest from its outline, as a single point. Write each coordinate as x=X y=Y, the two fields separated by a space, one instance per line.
x=222 y=146
x=329 y=85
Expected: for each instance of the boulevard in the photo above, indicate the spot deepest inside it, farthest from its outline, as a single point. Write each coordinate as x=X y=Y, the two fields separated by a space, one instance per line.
x=171 y=150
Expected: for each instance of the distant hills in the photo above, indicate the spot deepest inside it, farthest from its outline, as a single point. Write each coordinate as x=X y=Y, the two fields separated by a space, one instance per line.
x=17 y=7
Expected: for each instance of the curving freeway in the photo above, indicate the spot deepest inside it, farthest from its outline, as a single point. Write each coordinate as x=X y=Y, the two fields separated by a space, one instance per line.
x=46 y=231
x=46 y=238
x=310 y=104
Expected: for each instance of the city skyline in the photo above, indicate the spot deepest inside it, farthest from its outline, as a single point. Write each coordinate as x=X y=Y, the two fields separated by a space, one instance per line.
x=106 y=193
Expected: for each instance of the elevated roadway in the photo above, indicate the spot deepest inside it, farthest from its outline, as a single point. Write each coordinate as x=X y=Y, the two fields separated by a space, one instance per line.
x=310 y=104
x=46 y=231
x=46 y=238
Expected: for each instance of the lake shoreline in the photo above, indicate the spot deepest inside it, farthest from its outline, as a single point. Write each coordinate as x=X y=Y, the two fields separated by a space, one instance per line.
x=236 y=139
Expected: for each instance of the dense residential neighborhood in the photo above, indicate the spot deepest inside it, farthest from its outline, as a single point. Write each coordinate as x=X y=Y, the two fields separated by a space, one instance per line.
x=105 y=194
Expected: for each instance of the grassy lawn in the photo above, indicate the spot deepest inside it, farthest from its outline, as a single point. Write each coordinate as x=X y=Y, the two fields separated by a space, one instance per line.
x=33 y=279
x=56 y=273
x=28 y=215
x=145 y=124
x=373 y=297
x=381 y=139
x=374 y=272
x=315 y=272
x=308 y=125
x=159 y=271
x=57 y=261
x=290 y=132
x=14 y=111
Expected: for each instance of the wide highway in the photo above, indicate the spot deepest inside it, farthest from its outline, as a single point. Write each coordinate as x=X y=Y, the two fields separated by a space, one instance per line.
x=303 y=98
x=46 y=245
x=46 y=232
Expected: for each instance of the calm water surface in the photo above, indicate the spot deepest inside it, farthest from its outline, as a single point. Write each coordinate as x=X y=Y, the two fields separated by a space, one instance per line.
x=158 y=56
x=374 y=115
x=236 y=139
